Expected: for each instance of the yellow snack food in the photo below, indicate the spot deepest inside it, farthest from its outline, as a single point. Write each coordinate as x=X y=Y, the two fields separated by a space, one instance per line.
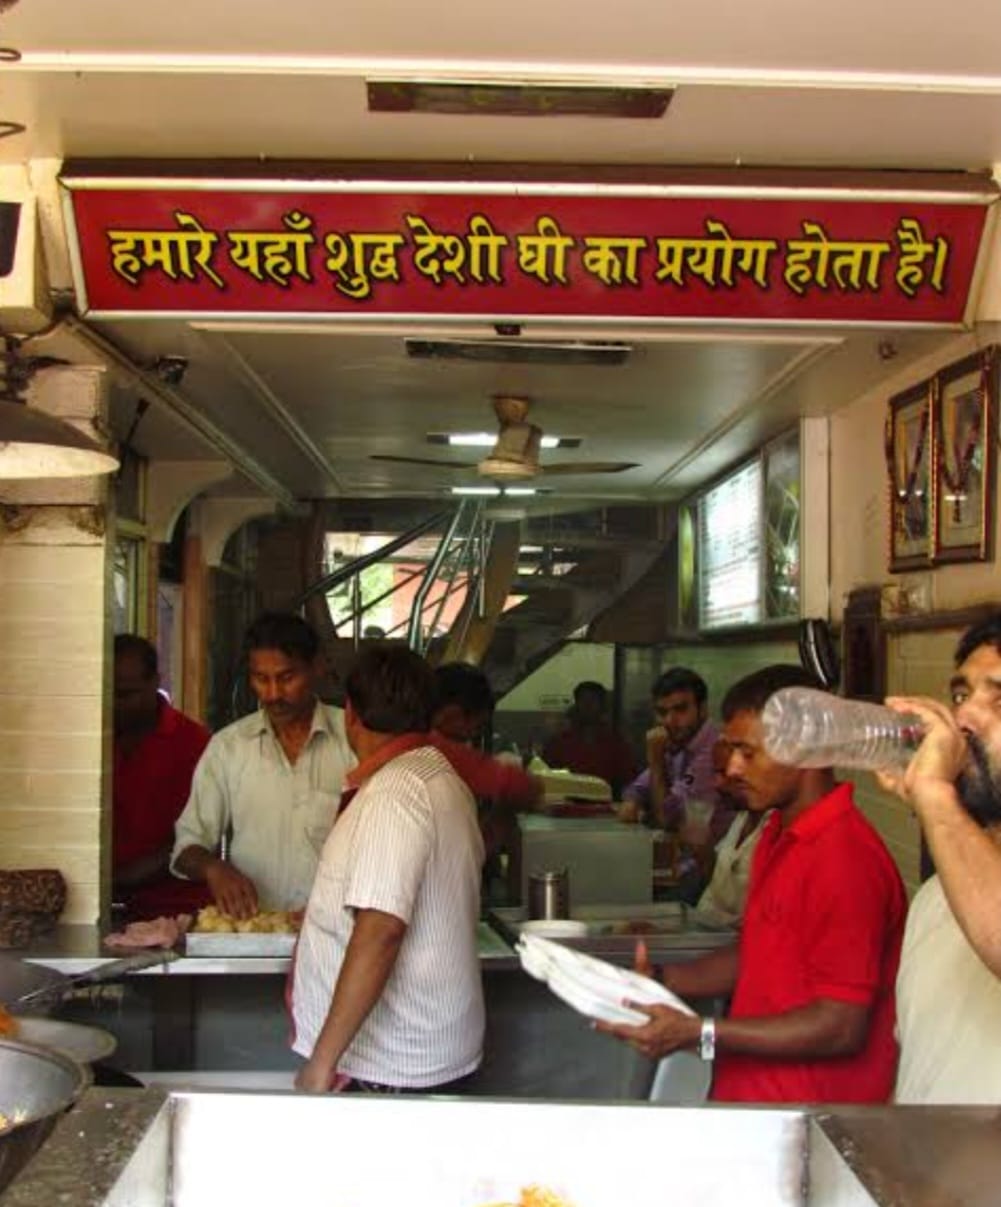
x=211 y=920
x=536 y=1196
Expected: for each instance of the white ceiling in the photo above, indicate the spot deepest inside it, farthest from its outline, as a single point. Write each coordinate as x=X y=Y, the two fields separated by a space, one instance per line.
x=885 y=85
x=683 y=406
x=893 y=84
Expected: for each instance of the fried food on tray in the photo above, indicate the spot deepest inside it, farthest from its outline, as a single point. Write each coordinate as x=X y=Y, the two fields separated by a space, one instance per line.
x=536 y=1196
x=211 y=920
x=8 y=1121
x=8 y=1024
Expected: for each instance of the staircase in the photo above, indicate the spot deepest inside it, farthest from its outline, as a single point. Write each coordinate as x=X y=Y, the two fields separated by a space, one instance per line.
x=532 y=585
x=572 y=569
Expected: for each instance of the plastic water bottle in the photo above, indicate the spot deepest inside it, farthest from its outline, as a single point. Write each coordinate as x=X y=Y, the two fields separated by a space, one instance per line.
x=808 y=728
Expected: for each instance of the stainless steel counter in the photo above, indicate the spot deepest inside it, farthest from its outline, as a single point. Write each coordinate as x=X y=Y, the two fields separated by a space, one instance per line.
x=227 y=1016
x=72 y=949
x=140 y=1149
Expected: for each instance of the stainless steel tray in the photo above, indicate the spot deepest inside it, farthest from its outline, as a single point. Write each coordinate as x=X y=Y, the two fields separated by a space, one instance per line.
x=215 y=944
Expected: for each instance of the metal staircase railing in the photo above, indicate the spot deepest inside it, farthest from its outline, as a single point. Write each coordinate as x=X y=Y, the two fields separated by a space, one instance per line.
x=457 y=562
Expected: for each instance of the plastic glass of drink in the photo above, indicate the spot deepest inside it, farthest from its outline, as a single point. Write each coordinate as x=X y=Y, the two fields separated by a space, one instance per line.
x=698 y=816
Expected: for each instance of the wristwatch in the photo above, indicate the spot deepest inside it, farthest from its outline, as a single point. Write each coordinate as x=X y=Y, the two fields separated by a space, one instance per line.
x=707 y=1039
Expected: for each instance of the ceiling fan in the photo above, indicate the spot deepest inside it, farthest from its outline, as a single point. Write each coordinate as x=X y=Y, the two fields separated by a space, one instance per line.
x=515 y=455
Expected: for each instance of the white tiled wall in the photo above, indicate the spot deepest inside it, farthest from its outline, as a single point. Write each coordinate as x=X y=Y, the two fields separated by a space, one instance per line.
x=53 y=737
x=51 y=713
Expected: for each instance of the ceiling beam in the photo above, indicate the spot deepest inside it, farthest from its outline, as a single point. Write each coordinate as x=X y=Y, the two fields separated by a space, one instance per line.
x=502 y=71
x=242 y=460
x=275 y=408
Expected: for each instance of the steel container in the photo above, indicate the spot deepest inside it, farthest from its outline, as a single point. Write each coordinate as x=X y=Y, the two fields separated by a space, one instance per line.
x=36 y=1086
x=549 y=894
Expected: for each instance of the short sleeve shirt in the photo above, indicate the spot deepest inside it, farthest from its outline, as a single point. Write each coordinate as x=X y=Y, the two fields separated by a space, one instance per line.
x=824 y=919
x=409 y=846
x=279 y=812
x=689 y=775
x=151 y=785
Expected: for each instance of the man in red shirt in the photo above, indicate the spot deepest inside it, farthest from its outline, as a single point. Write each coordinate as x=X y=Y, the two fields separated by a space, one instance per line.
x=463 y=706
x=156 y=750
x=590 y=745
x=812 y=977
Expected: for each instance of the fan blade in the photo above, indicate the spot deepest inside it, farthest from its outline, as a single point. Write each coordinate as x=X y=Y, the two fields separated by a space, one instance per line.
x=588 y=467
x=422 y=461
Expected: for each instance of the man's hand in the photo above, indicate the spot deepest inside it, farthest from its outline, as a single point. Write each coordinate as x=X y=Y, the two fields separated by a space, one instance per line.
x=656 y=746
x=628 y=812
x=667 y=1031
x=234 y=893
x=314 y=1078
x=939 y=759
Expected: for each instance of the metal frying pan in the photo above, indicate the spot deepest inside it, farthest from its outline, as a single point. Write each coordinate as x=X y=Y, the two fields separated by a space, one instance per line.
x=75 y=1040
x=32 y=989
x=18 y=977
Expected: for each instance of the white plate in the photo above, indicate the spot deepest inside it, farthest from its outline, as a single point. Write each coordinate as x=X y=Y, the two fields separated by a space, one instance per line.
x=78 y=1042
x=591 y=986
x=555 y=928
x=585 y=1002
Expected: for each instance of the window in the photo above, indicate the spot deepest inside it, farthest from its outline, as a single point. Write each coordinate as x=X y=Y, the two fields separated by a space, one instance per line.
x=730 y=533
x=127 y=584
x=746 y=537
x=385 y=592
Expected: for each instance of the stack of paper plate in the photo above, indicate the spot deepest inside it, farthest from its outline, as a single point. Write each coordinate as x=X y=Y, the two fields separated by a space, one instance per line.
x=593 y=987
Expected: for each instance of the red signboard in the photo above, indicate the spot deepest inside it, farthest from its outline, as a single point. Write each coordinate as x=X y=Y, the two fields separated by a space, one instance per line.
x=497 y=252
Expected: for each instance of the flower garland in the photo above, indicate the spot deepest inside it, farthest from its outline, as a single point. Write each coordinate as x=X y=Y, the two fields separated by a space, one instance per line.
x=959 y=481
x=903 y=493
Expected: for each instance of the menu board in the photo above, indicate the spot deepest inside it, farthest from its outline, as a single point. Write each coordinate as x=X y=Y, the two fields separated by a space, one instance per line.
x=730 y=526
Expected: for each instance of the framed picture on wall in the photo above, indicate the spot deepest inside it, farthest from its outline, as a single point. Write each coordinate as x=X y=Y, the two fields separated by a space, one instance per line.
x=965 y=439
x=910 y=465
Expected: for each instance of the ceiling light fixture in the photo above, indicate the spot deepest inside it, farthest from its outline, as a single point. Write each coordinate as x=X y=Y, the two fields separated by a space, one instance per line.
x=489 y=439
x=493 y=491
x=34 y=444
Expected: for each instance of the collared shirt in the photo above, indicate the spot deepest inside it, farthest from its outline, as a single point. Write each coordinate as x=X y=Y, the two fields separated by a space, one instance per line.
x=948 y=1010
x=409 y=846
x=824 y=919
x=726 y=891
x=150 y=787
x=279 y=812
x=689 y=776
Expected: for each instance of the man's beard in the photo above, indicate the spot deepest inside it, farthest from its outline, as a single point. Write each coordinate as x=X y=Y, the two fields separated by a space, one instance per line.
x=979 y=786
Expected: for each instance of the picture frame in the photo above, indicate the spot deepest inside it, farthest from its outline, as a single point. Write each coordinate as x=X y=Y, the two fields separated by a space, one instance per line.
x=965 y=439
x=910 y=465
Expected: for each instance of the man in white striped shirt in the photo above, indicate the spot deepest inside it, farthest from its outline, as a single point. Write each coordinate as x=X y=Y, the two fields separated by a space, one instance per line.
x=386 y=990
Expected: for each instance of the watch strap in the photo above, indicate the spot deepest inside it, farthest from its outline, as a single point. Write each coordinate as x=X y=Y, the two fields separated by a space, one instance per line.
x=707 y=1039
